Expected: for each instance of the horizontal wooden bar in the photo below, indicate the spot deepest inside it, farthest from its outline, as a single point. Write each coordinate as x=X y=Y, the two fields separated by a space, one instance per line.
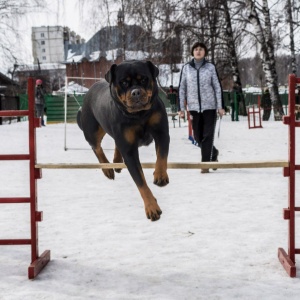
x=15 y=242
x=14 y=157
x=15 y=200
x=12 y=113
x=171 y=165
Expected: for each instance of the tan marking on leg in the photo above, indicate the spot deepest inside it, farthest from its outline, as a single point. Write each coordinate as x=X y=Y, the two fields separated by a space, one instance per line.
x=161 y=177
x=152 y=209
x=109 y=173
x=117 y=158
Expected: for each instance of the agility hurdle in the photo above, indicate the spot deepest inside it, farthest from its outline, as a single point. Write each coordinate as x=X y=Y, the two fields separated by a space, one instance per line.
x=252 y=111
x=37 y=262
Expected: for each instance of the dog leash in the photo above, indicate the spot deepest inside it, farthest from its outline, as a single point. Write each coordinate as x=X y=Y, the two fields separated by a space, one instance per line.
x=219 y=126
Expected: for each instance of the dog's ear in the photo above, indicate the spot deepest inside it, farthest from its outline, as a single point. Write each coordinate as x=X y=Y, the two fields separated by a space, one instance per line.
x=110 y=75
x=154 y=70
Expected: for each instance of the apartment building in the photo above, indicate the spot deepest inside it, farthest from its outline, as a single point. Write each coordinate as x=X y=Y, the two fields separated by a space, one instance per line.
x=48 y=43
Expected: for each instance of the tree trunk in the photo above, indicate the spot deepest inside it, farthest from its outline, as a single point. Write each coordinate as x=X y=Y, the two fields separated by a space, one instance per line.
x=266 y=50
x=292 y=42
x=230 y=42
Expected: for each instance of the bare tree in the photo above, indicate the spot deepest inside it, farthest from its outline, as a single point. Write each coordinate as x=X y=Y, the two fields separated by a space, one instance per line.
x=291 y=24
x=264 y=39
x=230 y=41
x=219 y=24
x=11 y=11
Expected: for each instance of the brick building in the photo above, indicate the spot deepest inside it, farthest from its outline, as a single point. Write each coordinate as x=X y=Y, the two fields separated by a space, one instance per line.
x=115 y=44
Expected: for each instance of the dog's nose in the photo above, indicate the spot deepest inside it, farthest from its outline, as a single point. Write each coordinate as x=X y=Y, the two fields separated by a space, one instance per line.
x=136 y=93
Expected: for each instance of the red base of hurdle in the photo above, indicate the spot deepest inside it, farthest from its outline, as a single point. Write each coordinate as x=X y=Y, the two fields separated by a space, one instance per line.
x=37 y=262
x=288 y=259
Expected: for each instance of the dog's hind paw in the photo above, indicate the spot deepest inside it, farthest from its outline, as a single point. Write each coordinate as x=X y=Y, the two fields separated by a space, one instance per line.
x=109 y=173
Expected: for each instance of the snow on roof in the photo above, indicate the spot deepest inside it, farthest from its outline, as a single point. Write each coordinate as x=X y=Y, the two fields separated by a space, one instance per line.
x=46 y=66
x=95 y=56
x=140 y=55
x=72 y=57
x=72 y=88
x=258 y=90
x=110 y=55
x=252 y=89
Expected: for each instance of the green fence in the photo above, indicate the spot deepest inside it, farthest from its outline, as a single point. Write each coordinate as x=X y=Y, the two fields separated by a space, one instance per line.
x=55 y=107
x=56 y=113
x=252 y=99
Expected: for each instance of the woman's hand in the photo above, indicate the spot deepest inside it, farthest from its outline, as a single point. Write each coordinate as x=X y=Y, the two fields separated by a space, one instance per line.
x=221 y=112
x=181 y=114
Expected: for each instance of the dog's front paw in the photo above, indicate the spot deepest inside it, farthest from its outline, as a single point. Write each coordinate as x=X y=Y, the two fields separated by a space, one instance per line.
x=161 y=179
x=153 y=211
x=109 y=173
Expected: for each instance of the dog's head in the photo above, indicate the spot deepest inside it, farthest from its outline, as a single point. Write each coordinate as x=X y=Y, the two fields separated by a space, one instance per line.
x=133 y=84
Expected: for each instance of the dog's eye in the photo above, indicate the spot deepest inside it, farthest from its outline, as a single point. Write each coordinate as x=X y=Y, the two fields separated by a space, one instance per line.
x=143 y=80
x=124 y=83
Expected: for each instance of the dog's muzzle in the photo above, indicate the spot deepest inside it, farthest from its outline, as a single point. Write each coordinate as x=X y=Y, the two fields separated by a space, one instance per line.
x=137 y=100
x=135 y=94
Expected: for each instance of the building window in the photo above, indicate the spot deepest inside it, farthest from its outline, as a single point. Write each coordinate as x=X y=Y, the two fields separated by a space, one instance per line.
x=43 y=50
x=44 y=57
x=42 y=35
x=42 y=42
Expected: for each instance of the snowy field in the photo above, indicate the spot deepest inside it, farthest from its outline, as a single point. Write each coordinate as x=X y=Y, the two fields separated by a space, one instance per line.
x=217 y=238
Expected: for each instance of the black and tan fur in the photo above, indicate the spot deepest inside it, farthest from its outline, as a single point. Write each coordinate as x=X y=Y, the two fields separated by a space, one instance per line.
x=127 y=107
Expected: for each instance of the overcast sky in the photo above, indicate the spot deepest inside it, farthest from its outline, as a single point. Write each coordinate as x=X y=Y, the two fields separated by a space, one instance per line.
x=58 y=12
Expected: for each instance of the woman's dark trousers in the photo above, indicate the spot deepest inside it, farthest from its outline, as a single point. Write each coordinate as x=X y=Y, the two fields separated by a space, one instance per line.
x=203 y=124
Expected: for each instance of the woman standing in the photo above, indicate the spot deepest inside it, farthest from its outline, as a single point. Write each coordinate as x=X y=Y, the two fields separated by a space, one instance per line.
x=201 y=91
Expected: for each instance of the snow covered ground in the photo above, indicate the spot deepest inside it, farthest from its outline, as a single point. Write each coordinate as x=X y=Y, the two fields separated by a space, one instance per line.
x=217 y=238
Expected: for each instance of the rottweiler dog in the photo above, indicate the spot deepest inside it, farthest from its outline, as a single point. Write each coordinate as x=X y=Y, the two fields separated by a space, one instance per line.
x=127 y=107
